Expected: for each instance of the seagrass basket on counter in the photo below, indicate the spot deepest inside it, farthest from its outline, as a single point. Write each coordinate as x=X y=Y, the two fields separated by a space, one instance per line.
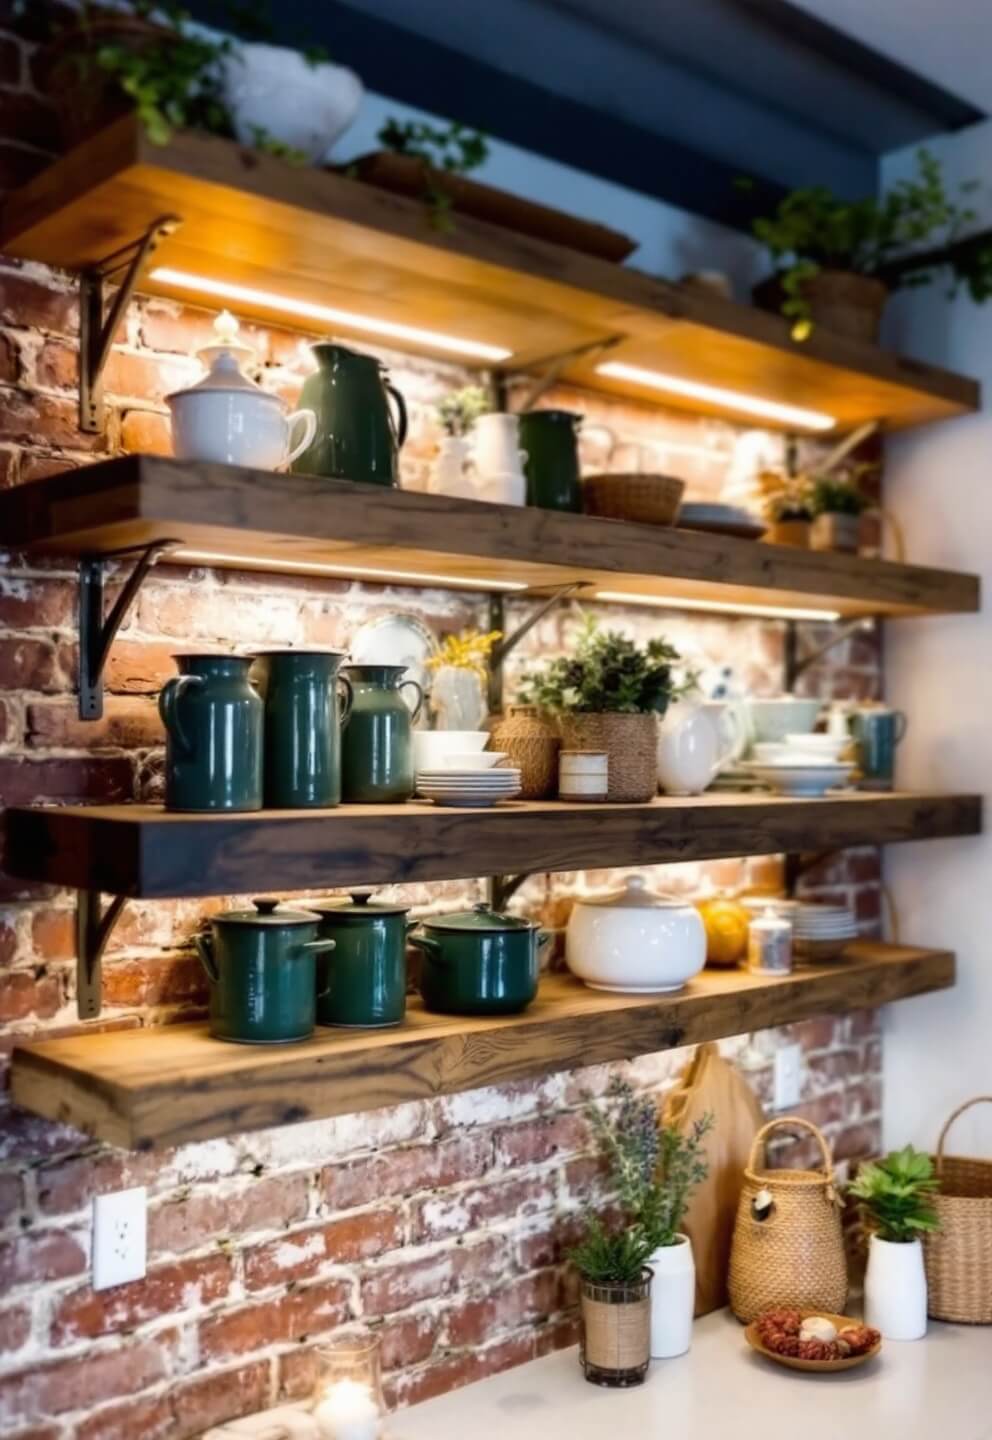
x=959 y=1255
x=788 y=1248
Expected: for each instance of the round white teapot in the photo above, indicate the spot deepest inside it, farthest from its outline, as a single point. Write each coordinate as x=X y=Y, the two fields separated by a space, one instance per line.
x=695 y=740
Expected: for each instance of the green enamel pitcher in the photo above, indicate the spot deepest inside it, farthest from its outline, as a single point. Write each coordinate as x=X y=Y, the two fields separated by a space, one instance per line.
x=307 y=704
x=357 y=436
x=213 y=735
x=554 y=475
x=377 y=747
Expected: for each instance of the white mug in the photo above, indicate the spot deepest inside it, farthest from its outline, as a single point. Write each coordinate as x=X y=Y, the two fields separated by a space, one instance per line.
x=238 y=427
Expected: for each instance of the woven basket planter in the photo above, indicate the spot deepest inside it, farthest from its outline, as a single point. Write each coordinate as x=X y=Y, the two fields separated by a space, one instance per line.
x=631 y=745
x=648 y=499
x=793 y=1256
x=616 y=1331
x=959 y=1256
x=531 y=741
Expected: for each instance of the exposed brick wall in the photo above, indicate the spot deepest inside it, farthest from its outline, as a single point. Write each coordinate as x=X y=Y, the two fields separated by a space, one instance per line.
x=444 y=1223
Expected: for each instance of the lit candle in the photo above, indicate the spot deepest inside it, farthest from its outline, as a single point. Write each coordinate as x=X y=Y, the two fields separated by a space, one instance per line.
x=347 y=1412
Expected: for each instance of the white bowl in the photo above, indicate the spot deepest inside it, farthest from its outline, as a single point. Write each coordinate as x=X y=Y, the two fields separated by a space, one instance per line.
x=474 y=760
x=798 y=779
x=824 y=747
x=432 y=748
x=774 y=719
x=768 y=751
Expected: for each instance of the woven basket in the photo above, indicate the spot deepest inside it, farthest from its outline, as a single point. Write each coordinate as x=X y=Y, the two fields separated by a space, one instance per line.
x=959 y=1257
x=531 y=743
x=631 y=745
x=616 y=1331
x=650 y=499
x=795 y=1256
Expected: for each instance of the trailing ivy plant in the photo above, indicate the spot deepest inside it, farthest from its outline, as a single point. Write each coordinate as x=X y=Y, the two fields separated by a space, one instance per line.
x=453 y=150
x=902 y=238
x=894 y=1195
x=607 y=674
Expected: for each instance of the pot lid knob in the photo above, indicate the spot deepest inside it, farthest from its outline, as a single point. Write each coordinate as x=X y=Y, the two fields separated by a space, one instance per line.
x=265 y=906
x=361 y=897
x=226 y=346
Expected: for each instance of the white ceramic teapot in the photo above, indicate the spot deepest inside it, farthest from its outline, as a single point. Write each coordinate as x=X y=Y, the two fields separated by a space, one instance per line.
x=695 y=740
x=228 y=418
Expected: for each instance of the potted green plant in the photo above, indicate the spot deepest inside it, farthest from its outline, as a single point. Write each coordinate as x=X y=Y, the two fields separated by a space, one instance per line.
x=894 y=1196
x=654 y=1169
x=837 y=260
x=790 y=515
x=608 y=695
x=837 y=503
x=616 y=1302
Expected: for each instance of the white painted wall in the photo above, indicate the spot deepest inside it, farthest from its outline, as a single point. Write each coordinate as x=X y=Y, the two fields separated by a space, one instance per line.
x=938 y=1049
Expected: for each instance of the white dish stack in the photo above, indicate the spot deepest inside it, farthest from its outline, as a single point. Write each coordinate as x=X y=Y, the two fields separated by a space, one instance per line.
x=820 y=932
x=476 y=786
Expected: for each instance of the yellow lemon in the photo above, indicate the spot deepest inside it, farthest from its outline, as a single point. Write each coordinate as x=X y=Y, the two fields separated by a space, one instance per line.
x=726 y=925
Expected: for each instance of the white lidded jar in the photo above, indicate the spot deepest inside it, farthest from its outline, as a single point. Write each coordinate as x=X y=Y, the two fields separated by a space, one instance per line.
x=673 y=1298
x=635 y=941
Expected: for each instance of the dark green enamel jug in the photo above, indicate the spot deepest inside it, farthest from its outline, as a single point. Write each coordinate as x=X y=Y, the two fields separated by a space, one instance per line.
x=307 y=704
x=213 y=725
x=357 y=436
x=377 y=747
x=479 y=962
x=261 y=965
x=364 y=981
x=554 y=476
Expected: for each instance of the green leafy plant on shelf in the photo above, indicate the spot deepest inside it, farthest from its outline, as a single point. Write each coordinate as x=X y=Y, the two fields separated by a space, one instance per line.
x=894 y=1195
x=460 y=409
x=449 y=151
x=792 y=503
x=607 y=674
x=839 y=494
x=902 y=238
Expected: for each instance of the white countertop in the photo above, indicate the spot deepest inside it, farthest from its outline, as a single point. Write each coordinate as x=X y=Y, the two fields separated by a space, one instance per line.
x=939 y=1388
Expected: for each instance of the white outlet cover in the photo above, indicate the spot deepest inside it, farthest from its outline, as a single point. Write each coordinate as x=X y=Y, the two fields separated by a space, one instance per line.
x=120 y=1226
x=788 y=1077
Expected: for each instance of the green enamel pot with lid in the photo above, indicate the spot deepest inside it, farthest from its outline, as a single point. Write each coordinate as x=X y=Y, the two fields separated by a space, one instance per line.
x=261 y=965
x=479 y=962
x=363 y=983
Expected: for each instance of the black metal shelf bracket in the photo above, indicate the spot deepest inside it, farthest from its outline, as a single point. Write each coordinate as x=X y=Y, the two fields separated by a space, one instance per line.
x=98 y=323
x=93 y=929
x=96 y=634
x=497 y=621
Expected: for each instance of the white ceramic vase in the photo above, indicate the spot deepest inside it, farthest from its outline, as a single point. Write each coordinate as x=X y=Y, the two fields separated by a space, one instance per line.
x=695 y=740
x=896 y=1289
x=673 y=1298
x=277 y=91
x=497 y=459
x=457 y=699
x=449 y=474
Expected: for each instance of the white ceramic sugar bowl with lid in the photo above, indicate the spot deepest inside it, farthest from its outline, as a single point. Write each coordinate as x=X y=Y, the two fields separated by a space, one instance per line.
x=228 y=418
x=635 y=941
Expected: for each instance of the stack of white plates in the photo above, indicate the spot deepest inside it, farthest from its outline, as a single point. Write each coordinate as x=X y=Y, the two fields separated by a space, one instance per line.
x=800 y=777
x=477 y=786
x=822 y=931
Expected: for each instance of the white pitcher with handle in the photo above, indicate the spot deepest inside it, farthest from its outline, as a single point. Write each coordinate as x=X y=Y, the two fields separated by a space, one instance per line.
x=497 y=459
x=695 y=740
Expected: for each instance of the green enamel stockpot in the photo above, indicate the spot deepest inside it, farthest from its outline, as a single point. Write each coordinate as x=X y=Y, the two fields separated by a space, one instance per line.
x=479 y=962
x=364 y=981
x=261 y=965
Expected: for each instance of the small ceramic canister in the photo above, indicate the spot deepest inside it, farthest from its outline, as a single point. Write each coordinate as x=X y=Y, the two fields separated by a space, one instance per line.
x=583 y=775
x=769 y=944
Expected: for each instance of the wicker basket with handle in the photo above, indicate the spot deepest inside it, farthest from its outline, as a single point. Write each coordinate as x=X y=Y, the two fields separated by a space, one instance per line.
x=959 y=1255
x=795 y=1255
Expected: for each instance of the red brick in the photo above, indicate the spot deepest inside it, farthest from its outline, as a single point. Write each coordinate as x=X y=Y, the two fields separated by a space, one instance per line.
x=856 y=1141
x=525 y=1301
x=34 y=604
x=37 y=1432
x=85 y=1380
x=818 y=1034
x=393 y=1287
x=70 y=1183
x=15 y=1327
x=458 y=1370
x=130 y=723
x=40 y=467
x=44 y=420
x=32 y=303
x=9 y=468
x=408 y=1340
x=139 y=666
x=57 y=365
x=453 y=1213
x=837 y=1067
x=862 y=1024
x=151 y=1419
x=85 y=1313
x=28 y=782
x=8 y=943
x=404 y=1172
x=29 y=665
x=541 y=1139
x=170 y=979
x=145 y=377
x=10 y=363
x=11 y=1197
x=290 y=1317
x=23 y=994
x=145 y=433
x=304 y=1252
x=561 y=1334
x=199 y=1404
x=202 y=1217
x=40 y=1255
x=53 y=933
x=9 y=723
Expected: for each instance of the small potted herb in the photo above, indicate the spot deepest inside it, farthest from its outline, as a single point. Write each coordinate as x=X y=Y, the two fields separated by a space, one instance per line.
x=894 y=1196
x=837 y=260
x=616 y=1302
x=654 y=1169
x=608 y=695
x=790 y=516
x=837 y=503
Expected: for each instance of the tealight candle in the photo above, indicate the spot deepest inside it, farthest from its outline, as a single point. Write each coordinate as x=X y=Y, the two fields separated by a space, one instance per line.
x=347 y=1411
x=769 y=945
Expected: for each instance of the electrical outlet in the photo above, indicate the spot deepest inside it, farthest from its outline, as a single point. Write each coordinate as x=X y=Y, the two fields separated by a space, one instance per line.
x=788 y=1077
x=119 y=1237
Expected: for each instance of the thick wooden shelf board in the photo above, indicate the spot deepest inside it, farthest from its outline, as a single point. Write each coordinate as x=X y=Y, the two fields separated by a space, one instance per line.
x=310 y=235
x=153 y=1089
x=286 y=521
x=140 y=850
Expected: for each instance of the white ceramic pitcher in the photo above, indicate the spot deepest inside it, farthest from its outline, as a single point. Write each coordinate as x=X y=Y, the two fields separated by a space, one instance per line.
x=695 y=740
x=497 y=459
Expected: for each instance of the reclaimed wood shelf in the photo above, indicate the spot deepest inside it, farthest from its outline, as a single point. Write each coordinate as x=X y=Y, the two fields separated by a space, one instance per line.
x=305 y=234
x=284 y=522
x=154 y=1089
x=144 y=851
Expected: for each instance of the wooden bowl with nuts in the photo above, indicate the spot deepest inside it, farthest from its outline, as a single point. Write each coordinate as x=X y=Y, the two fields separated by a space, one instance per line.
x=812 y=1340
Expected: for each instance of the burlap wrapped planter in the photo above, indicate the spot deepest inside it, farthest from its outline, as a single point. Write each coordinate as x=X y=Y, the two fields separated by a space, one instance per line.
x=631 y=744
x=530 y=739
x=616 y=1331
